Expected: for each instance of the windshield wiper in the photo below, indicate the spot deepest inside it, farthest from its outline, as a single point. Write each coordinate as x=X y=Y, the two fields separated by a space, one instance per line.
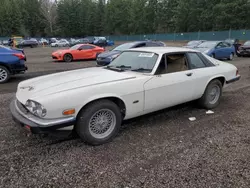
x=124 y=67
x=142 y=70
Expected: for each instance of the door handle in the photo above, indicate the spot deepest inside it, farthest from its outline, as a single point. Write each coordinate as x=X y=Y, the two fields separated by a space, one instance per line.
x=189 y=74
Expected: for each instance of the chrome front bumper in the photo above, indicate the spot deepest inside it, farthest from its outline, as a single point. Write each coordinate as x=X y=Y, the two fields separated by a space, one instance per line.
x=22 y=116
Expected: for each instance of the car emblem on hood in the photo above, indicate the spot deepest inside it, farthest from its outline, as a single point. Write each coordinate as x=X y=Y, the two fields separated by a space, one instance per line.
x=27 y=87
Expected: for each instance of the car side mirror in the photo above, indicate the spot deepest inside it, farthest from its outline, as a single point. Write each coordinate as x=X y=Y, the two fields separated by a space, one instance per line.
x=80 y=49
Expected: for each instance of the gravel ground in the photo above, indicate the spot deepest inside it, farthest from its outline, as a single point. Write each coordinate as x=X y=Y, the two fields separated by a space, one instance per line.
x=163 y=149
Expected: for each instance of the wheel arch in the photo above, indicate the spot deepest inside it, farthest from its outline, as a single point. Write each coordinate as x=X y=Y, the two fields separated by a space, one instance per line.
x=117 y=100
x=6 y=66
x=221 y=78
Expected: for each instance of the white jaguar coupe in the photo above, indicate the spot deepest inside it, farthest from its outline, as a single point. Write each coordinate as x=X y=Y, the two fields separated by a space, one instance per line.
x=93 y=102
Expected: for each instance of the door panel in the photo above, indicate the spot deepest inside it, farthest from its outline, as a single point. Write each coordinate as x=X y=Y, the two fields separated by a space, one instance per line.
x=201 y=77
x=167 y=90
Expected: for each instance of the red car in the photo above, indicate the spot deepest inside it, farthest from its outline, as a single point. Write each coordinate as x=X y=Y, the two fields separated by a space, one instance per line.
x=78 y=52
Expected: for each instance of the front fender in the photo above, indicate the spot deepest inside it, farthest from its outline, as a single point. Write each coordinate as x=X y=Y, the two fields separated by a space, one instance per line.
x=97 y=97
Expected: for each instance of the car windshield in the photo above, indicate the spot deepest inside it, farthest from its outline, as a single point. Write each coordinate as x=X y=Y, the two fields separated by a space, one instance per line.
x=123 y=47
x=192 y=43
x=247 y=43
x=75 y=47
x=231 y=41
x=209 y=44
x=135 y=61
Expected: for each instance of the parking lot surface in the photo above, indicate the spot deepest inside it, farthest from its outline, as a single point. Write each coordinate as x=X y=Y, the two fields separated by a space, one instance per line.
x=163 y=149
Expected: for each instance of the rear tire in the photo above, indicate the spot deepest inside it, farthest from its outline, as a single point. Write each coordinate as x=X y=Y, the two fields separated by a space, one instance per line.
x=212 y=95
x=67 y=57
x=99 y=122
x=4 y=74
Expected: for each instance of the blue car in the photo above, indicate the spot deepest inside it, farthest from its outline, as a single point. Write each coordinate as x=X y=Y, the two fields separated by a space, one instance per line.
x=217 y=49
x=12 y=61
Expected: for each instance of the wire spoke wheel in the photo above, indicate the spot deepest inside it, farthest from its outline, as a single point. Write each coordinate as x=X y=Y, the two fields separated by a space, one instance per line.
x=102 y=123
x=214 y=94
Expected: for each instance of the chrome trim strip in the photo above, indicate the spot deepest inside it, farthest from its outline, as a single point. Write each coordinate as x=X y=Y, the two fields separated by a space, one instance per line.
x=44 y=122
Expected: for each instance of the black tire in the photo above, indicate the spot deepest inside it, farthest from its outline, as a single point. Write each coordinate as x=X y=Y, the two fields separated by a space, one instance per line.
x=213 y=56
x=204 y=100
x=82 y=125
x=68 y=58
x=56 y=45
x=4 y=74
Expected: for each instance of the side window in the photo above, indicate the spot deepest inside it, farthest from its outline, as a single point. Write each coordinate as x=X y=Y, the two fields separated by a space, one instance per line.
x=226 y=44
x=140 y=45
x=176 y=63
x=152 y=44
x=171 y=63
x=86 y=47
x=221 y=45
x=195 y=62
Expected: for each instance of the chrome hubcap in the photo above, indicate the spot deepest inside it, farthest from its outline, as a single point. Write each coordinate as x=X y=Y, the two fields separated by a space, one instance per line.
x=214 y=94
x=102 y=123
x=231 y=56
x=3 y=75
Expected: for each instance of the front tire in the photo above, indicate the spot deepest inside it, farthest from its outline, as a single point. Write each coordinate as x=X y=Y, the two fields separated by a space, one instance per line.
x=99 y=122
x=212 y=95
x=231 y=57
x=4 y=74
x=67 y=57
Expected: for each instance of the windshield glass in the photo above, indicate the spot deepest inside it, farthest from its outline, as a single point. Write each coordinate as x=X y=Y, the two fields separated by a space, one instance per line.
x=247 y=43
x=75 y=47
x=231 y=41
x=123 y=47
x=209 y=44
x=136 y=61
x=192 y=43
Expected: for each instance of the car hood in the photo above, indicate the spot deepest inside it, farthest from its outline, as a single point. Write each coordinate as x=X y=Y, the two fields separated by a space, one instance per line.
x=202 y=49
x=59 y=82
x=189 y=46
x=245 y=46
x=108 y=54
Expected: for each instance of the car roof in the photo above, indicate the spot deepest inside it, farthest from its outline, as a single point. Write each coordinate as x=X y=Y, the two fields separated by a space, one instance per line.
x=162 y=50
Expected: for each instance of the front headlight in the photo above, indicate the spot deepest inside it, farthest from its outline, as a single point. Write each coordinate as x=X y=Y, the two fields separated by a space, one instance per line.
x=59 y=53
x=113 y=57
x=36 y=108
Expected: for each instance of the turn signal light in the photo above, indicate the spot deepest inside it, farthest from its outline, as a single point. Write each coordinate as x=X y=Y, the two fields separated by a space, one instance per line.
x=69 y=112
x=237 y=72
